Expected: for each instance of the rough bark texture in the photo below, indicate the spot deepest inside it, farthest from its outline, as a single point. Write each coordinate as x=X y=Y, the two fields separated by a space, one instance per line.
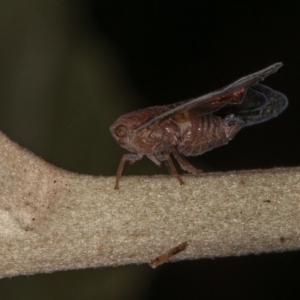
x=51 y=219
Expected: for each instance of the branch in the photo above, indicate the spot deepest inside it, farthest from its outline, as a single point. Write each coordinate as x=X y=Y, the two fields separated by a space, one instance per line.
x=51 y=219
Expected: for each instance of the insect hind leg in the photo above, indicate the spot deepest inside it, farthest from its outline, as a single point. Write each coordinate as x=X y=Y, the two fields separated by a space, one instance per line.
x=184 y=164
x=166 y=159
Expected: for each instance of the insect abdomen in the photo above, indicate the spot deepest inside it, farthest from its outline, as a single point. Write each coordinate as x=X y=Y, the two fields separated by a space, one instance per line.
x=208 y=132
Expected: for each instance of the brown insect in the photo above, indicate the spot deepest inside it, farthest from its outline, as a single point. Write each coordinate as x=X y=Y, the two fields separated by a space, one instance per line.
x=192 y=127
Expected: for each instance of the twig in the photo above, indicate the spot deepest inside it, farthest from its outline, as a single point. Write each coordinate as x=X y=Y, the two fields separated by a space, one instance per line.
x=163 y=258
x=51 y=219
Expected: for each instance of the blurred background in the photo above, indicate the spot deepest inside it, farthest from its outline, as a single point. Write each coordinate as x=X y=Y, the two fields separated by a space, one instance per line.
x=68 y=69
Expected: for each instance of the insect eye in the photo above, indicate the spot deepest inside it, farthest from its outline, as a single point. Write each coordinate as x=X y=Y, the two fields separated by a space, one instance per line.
x=121 y=131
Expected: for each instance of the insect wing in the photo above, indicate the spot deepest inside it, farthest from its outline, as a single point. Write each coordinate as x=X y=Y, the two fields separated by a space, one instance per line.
x=253 y=101
x=217 y=99
x=276 y=103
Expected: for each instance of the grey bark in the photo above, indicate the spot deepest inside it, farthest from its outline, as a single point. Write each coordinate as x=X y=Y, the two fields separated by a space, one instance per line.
x=51 y=219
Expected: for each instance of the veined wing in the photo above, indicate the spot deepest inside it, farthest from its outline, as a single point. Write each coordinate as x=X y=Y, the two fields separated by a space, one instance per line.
x=213 y=101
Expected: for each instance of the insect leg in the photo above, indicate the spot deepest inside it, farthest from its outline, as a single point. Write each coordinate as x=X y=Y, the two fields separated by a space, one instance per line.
x=154 y=159
x=184 y=164
x=170 y=165
x=131 y=158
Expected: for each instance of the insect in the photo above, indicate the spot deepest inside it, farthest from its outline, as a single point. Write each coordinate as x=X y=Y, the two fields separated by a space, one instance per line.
x=198 y=125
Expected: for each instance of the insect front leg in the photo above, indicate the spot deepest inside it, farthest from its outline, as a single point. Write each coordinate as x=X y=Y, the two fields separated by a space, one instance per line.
x=126 y=157
x=184 y=164
x=170 y=165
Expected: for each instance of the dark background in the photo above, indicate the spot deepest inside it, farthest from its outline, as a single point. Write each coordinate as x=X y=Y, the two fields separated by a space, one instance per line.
x=68 y=69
